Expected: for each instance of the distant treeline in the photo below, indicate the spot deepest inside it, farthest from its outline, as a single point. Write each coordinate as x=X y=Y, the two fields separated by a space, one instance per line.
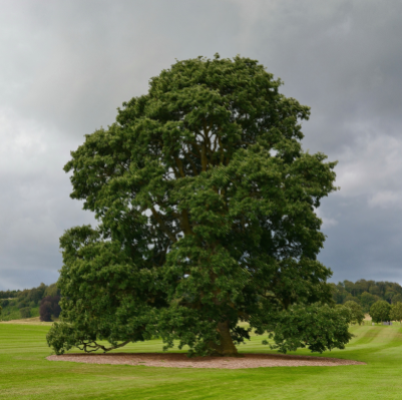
x=25 y=303
x=366 y=293
x=8 y=294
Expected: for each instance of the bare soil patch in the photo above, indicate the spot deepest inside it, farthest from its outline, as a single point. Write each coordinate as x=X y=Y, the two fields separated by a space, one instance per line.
x=177 y=360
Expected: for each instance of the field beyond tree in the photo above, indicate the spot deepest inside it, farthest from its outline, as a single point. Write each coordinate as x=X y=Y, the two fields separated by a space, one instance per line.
x=27 y=374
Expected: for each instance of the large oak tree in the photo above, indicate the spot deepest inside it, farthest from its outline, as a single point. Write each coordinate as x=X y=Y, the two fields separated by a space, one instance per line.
x=206 y=208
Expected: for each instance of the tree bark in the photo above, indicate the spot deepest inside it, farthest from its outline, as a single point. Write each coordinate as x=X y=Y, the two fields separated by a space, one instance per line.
x=226 y=348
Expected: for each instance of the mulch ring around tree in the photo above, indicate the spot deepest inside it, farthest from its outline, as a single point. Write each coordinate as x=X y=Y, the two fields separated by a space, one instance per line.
x=180 y=360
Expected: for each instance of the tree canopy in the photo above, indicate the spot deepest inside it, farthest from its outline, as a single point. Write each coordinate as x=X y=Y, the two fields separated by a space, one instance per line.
x=366 y=292
x=357 y=314
x=49 y=308
x=206 y=208
x=396 y=312
x=380 y=311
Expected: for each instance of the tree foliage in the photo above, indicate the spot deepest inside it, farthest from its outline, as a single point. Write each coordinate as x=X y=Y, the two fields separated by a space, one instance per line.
x=25 y=312
x=380 y=311
x=396 y=312
x=356 y=312
x=316 y=327
x=206 y=208
x=366 y=292
x=49 y=308
x=7 y=294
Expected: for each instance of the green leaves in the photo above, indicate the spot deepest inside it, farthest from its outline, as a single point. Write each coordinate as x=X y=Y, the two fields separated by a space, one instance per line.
x=316 y=327
x=356 y=312
x=396 y=312
x=380 y=311
x=206 y=207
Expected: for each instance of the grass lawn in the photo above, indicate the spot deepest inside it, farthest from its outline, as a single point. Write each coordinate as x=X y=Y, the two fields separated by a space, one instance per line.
x=26 y=374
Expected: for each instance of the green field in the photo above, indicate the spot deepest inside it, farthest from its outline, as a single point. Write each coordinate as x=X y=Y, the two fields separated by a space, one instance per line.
x=26 y=374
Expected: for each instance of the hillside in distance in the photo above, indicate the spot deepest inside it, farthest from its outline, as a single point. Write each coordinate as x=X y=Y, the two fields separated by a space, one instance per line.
x=366 y=293
x=18 y=304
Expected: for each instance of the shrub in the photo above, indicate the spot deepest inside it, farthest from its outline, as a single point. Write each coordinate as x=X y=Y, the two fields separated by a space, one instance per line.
x=49 y=308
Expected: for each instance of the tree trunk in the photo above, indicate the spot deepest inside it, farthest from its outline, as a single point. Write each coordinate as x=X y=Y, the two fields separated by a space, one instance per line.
x=226 y=348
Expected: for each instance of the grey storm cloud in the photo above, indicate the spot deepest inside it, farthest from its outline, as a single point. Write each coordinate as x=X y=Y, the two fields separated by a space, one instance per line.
x=67 y=66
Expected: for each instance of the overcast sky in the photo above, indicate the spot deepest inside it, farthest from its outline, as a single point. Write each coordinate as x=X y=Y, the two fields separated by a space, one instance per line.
x=67 y=65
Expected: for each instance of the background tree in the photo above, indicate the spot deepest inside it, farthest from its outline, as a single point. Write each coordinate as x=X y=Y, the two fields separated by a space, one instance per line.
x=49 y=308
x=365 y=292
x=397 y=298
x=367 y=300
x=350 y=298
x=52 y=290
x=30 y=297
x=396 y=312
x=380 y=311
x=7 y=294
x=206 y=203
x=25 y=312
x=357 y=314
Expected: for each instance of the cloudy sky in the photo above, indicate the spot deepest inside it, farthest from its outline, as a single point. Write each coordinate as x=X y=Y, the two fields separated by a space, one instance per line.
x=67 y=65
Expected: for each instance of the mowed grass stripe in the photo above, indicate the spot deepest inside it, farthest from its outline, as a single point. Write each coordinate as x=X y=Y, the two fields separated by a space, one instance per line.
x=382 y=339
x=368 y=336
